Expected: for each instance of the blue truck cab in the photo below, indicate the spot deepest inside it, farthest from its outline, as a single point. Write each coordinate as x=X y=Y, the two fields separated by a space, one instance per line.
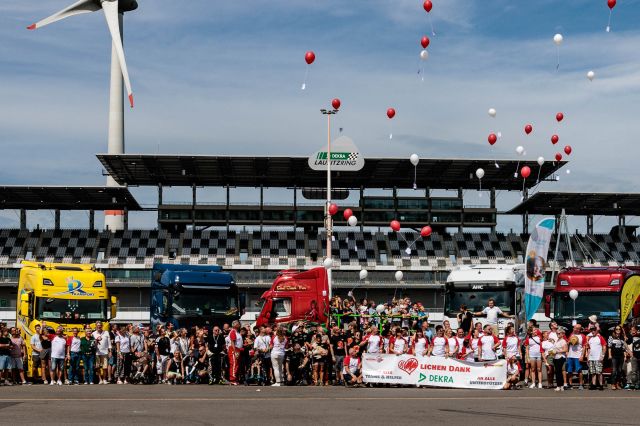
x=189 y=295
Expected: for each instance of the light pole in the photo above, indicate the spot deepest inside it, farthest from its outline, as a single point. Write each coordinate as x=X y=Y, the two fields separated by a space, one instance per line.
x=328 y=220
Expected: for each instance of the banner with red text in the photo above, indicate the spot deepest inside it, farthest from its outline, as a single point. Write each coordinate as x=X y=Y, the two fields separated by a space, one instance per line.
x=433 y=371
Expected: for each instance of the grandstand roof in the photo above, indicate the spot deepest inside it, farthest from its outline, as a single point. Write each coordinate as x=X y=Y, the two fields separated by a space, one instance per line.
x=580 y=204
x=287 y=172
x=66 y=198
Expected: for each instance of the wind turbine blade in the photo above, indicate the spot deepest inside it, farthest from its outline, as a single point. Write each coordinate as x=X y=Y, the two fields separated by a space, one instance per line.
x=81 y=6
x=110 y=9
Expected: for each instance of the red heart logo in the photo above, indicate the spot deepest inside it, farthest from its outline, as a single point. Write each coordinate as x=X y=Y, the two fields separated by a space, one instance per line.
x=408 y=365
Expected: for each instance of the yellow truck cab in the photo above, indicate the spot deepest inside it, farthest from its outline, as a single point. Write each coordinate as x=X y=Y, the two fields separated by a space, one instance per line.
x=59 y=294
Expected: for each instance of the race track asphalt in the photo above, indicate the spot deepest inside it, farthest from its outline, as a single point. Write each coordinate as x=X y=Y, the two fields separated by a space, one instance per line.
x=224 y=405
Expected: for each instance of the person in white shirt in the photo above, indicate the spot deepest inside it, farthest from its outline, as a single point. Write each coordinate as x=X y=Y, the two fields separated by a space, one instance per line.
x=73 y=354
x=452 y=342
x=577 y=347
x=547 y=356
x=439 y=345
x=373 y=341
x=123 y=351
x=560 y=349
x=488 y=344
x=58 y=355
x=352 y=368
x=37 y=361
x=399 y=344
x=533 y=345
x=103 y=346
x=511 y=343
x=493 y=312
x=513 y=374
x=596 y=346
x=460 y=337
x=278 y=346
x=420 y=344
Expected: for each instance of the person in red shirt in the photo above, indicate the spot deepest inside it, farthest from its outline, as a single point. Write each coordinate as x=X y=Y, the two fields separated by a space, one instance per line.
x=234 y=348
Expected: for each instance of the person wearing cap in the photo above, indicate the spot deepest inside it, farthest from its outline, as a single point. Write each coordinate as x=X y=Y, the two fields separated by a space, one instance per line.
x=593 y=321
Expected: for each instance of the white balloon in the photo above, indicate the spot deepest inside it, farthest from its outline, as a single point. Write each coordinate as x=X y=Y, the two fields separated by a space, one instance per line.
x=364 y=274
x=380 y=309
x=591 y=75
x=399 y=275
x=492 y=112
x=557 y=39
x=480 y=173
x=499 y=135
x=414 y=159
x=540 y=161
x=352 y=221
x=573 y=294
x=327 y=263
x=424 y=55
x=520 y=150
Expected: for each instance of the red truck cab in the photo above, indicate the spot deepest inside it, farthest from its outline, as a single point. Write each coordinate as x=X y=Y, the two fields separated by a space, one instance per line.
x=599 y=291
x=294 y=296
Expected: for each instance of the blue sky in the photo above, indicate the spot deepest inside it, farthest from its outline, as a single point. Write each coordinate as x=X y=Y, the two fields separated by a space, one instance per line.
x=214 y=77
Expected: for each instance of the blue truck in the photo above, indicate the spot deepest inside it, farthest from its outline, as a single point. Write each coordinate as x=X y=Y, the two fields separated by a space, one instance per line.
x=189 y=295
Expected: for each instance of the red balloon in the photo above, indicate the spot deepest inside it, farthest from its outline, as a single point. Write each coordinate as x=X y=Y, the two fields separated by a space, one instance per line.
x=335 y=103
x=428 y=5
x=310 y=57
x=558 y=156
x=528 y=128
x=395 y=225
x=347 y=214
x=559 y=116
x=567 y=149
x=425 y=42
x=611 y=4
x=391 y=113
x=492 y=138
x=425 y=231
x=554 y=139
x=333 y=209
x=525 y=172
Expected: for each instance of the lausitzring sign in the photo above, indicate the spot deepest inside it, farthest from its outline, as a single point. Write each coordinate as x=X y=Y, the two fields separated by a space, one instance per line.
x=344 y=157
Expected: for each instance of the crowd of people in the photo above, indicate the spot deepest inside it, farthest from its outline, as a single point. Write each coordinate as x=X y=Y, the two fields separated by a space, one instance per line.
x=310 y=354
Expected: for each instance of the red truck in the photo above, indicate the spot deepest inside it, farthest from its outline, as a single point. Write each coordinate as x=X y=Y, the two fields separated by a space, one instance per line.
x=294 y=296
x=599 y=291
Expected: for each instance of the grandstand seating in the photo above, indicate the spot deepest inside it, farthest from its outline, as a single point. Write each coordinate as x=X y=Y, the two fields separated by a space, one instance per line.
x=284 y=249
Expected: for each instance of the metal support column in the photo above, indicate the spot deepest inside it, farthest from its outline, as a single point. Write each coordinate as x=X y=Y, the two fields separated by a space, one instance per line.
x=525 y=223
x=361 y=208
x=92 y=219
x=295 y=208
x=126 y=219
x=56 y=219
x=227 y=214
x=23 y=219
x=461 y=198
x=589 y=224
x=159 y=203
x=193 y=205
x=622 y=223
x=492 y=204
x=427 y=194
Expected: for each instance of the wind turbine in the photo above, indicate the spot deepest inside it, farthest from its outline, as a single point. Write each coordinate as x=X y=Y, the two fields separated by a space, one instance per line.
x=114 y=12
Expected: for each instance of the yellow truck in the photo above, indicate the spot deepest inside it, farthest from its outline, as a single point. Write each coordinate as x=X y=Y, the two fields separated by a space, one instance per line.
x=70 y=295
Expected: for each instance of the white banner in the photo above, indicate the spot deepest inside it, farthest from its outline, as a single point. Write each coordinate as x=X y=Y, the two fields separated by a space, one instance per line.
x=433 y=371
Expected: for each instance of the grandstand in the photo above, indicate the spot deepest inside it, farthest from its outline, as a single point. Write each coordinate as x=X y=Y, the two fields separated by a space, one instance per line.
x=255 y=249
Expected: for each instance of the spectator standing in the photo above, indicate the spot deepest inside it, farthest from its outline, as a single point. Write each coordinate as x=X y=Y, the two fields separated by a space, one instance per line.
x=216 y=346
x=5 y=355
x=234 y=346
x=74 y=355
x=163 y=349
x=278 y=346
x=633 y=348
x=45 y=354
x=420 y=344
x=123 y=351
x=338 y=347
x=548 y=344
x=103 y=348
x=36 y=349
x=488 y=344
x=399 y=344
x=465 y=319
x=492 y=312
x=577 y=346
x=88 y=352
x=533 y=345
x=617 y=349
x=439 y=345
x=18 y=351
x=596 y=347
x=511 y=344
x=560 y=349
x=58 y=356
x=452 y=342
x=295 y=363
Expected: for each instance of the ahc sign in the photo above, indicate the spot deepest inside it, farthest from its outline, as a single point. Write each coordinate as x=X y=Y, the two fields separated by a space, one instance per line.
x=344 y=157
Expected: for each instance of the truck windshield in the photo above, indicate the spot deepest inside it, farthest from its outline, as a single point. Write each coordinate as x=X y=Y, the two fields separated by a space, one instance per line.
x=71 y=310
x=204 y=303
x=477 y=300
x=604 y=305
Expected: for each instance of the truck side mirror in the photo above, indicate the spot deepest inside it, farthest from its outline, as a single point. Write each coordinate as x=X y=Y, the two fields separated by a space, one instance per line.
x=547 y=306
x=114 y=305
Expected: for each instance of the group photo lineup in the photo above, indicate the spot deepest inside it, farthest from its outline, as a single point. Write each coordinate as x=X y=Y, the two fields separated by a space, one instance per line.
x=210 y=210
